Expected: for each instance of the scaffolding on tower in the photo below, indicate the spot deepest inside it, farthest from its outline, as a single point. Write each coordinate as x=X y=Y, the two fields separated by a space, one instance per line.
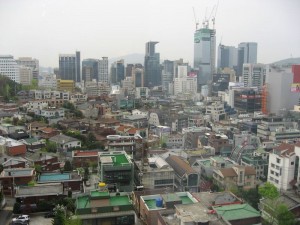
x=264 y=100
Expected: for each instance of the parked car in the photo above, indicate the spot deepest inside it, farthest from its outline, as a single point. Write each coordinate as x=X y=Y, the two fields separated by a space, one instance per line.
x=22 y=219
x=20 y=223
x=50 y=214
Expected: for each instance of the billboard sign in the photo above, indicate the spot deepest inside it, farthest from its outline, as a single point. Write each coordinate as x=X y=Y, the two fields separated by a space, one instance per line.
x=295 y=87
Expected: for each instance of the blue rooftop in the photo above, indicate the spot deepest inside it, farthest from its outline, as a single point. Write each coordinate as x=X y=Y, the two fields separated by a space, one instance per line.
x=48 y=177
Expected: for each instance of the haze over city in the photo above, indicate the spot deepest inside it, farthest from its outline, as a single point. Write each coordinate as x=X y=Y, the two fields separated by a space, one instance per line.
x=44 y=29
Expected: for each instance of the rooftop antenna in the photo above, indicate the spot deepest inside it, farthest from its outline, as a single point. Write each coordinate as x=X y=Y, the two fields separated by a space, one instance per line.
x=196 y=21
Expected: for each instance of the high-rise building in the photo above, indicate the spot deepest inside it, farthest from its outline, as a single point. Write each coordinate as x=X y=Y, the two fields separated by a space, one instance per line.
x=185 y=83
x=9 y=67
x=247 y=53
x=254 y=75
x=278 y=89
x=204 y=54
x=69 y=67
x=167 y=74
x=152 y=65
x=26 y=75
x=227 y=56
x=117 y=72
x=129 y=70
x=31 y=63
x=138 y=75
x=90 y=69
x=103 y=70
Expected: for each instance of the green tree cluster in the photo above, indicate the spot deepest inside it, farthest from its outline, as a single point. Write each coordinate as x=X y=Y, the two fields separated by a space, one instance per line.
x=279 y=212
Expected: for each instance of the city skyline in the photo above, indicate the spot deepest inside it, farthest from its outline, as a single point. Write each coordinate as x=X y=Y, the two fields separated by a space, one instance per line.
x=44 y=29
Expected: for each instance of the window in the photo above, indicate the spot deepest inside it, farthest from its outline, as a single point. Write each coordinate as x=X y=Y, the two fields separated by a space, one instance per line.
x=292 y=163
x=277 y=160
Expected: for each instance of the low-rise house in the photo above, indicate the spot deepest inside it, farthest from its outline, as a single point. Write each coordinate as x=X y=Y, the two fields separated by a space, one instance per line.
x=47 y=162
x=12 y=147
x=152 y=205
x=102 y=207
x=238 y=214
x=84 y=158
x=205 y=167
x=235 y=177
x=31 y=196
x=186 y=178
x=48 y=132
x=210 y=199
x=156 y=173
x=65 y=142
x=35 y=128
x=18 y=135
x=195 y=213
x=175 y=141
x=33 y=144
x=10 y=163
x=71 y=181
x=12 y=178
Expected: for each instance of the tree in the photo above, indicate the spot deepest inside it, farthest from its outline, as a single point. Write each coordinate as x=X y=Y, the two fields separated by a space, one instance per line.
x=284 y=216
x=60 y=215
x=73 y=221
x=164 y=145
x=51 y=146
x=17 y=208
x=269 y=191
x=251 y=196
x=68 y=166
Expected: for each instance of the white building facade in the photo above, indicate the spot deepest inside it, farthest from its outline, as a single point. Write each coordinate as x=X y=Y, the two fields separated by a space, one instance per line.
x=9 y=67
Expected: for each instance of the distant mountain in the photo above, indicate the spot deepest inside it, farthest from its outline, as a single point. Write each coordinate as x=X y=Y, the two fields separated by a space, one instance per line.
x=289 y=61
x=130 y=58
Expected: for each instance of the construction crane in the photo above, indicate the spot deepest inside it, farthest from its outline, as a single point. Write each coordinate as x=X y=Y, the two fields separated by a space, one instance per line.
x=196 y=21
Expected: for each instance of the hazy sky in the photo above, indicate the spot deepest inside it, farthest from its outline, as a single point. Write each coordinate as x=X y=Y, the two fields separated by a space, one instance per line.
x=45 y=28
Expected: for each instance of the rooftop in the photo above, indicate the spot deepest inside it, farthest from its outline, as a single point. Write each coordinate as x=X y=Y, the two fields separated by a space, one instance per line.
x=50 y=177
x=236 y=211
x=85 y=153
x=117 y=159
x=98 y=199
x=40 y=190
x=18 y=172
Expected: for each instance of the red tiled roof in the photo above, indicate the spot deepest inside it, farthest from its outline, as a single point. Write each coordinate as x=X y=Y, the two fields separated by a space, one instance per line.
x=48 y=130
x=228 y=172
x=285 y=148
x=132 y=131
x=86 y=153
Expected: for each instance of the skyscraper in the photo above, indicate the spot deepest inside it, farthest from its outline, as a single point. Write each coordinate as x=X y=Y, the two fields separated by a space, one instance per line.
x=30 y=62
x=152 y=66
x=254 y=75
x=90 y=69
x=247 y=53
x=69 y=67
x=227 y=56
x=167 y=74
x=204 y=54
x=9 y=67
x=103 y=70
x=117 y=72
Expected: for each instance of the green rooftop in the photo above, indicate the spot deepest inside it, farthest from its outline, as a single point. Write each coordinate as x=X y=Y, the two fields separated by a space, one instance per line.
x=151 y=204
x=96 y=193
x=84 y=202
x=186 y=200
x=237 y=211
x=117 y=159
